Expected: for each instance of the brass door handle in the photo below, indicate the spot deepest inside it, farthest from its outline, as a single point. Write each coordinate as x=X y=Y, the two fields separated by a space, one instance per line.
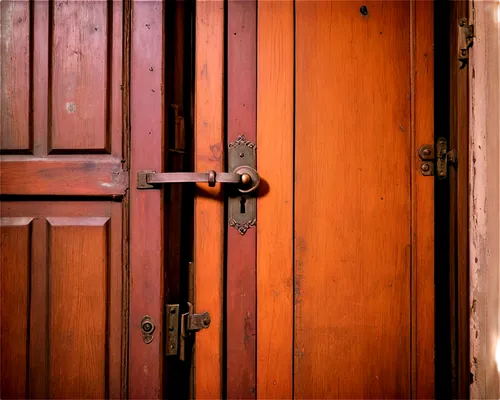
x=245 y=177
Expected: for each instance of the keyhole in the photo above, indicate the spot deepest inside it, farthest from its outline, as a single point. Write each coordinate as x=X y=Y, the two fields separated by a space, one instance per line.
x=242 y=205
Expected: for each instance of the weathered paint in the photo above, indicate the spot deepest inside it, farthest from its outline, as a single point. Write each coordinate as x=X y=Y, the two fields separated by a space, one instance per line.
x=484 y=234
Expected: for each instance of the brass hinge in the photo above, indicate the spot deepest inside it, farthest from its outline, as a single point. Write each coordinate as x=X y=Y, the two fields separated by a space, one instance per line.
x=465 y=40
x=435 y=159
x=181 y=327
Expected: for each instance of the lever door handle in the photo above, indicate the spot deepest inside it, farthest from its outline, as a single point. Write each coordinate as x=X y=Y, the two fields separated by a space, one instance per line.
x=245 y=177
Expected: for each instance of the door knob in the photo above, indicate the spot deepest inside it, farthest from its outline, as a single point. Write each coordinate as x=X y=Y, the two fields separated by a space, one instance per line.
x=246 y=178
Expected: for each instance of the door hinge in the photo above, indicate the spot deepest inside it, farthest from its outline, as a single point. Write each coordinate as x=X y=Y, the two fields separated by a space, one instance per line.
x=435 y=159
x=465 y=40
x=181 y=328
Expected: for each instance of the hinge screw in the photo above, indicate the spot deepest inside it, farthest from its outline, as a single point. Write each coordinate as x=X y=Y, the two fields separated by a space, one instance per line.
x=425 y=167
x=427 y=152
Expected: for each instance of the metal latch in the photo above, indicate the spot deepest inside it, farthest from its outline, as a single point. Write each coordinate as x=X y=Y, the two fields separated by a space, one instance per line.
x=465 y=40
x=244 y=181
x=245 y=177
x=435 y=159
x=180 y=329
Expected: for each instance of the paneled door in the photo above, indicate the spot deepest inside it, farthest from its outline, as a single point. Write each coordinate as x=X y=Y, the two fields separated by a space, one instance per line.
x=81 y=252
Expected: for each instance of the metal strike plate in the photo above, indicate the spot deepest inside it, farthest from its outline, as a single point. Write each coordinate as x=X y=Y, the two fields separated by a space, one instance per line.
x=242 y=207
x=172 y=345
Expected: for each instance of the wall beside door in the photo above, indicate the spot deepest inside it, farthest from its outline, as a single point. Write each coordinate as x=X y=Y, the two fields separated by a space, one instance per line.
x=484 y=113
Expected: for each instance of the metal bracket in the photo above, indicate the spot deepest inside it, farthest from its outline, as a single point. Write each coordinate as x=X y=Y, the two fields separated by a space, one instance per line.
x=172 y=346
x=465 y=40
x=437 y=158
x=242 y=206
x=189 y=324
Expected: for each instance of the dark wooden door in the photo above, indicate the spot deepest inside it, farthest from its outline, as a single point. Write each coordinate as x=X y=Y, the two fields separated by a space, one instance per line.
x=78 y=273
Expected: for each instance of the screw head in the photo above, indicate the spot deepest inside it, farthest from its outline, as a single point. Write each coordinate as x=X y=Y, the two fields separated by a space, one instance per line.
x=425 y=167
x=427 y=152
x=242 y=155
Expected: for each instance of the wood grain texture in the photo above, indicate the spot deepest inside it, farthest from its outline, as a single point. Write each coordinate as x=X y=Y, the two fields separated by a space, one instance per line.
x=459 y=212
x=241 y=298
x=79 y=87
x=77 y=318
x=352 y=200
x=62 y=175
x=422 y=199
x=39 y=308
x=275 y=108
x=15 y=134
x=15 y=249
x=72 y=53
x=209 y=204
x=146 y=206
x=41 y=48
x=73 y=346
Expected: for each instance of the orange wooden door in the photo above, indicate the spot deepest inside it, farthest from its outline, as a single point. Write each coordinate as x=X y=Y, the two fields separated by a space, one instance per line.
x=345 y=287
x=77 y=274
x=344 y=278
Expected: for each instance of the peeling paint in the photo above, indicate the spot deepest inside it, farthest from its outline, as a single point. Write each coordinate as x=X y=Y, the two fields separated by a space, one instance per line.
x=484 y=211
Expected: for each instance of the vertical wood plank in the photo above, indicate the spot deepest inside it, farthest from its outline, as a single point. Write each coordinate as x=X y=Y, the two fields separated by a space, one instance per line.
x=241 y=250
x=146 y=206
x=40 y=77
x=78 y=267
x=352 y=200
x=209 y=205
x=39 y=310
x=15 y=64
x=115 y=78
x=422 y=40
x=459 y=210
x=275 y=114
x=15 y=260
x=115 y=327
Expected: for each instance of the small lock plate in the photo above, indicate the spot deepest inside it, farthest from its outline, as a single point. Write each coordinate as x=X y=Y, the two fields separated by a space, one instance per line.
x=147 y=329
x=242 y=205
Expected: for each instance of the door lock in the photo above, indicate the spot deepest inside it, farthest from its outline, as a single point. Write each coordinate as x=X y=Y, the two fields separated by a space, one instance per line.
x=246 y=178
x=243 y=180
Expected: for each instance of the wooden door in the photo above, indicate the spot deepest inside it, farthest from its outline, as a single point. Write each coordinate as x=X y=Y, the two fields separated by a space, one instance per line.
x=78 y=272
x=339 y=299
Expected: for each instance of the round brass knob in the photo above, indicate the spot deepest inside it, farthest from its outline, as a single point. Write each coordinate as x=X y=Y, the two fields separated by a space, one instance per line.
x=246 y=179
x=249 y=179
